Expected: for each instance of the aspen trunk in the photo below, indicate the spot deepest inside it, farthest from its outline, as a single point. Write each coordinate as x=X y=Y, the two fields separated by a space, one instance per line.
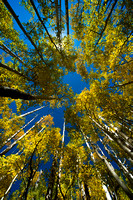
x=51 y=183
x=67 y=16
x=43 y=24
x=15 y=142
x=108 y=197
x=22 y=28
x=119 y=163
x=9 y=139
x=124 y=138
x=28 y=113
x=112 y=171
x=113 y=136
x=17 y=94
x=4 y=66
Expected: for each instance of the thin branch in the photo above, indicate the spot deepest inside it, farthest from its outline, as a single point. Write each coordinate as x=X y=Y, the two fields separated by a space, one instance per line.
x=122 y=85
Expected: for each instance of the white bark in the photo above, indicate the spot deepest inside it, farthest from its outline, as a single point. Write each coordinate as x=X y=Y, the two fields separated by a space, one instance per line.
x=118 y=133
x=119 y=163
x=106 y=192
x=9 y=187
x=9 y=139
x=38 y=180
x=112 y=171
x=13 y=180
x=108 y=197
x=113 y=136
x=28 y=113
x=63 y=138
x=15 y=142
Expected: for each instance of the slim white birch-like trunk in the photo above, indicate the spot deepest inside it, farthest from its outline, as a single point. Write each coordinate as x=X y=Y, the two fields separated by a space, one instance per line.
x=108 y=197
x=112 y=171
x=118 y=162
x=118 y=133
x=9 y=139
x=15 y=142
x=28 y=113
x=113 y=136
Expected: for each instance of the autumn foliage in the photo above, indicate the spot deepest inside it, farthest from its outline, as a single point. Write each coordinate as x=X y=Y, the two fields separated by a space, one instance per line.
x=91 y=38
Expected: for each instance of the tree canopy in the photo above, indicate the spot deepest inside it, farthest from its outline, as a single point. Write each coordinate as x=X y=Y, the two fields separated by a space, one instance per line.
x=91 y=157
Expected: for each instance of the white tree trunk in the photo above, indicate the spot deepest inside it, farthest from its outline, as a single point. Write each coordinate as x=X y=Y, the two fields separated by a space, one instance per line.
x=15 y=142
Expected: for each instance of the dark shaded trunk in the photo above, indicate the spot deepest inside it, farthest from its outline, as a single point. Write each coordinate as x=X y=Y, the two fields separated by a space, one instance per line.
x=52 y=178
x=67 y=16
x=17 y=94
x=36 y=11
x=32 y=172
x=57 y=20
x=88 y=197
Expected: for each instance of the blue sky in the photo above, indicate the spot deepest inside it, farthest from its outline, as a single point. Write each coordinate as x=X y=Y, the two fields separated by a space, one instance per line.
x=73 y=79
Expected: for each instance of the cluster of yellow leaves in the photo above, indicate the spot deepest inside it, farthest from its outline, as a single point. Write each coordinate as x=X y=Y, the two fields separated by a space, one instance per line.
x=9 y=167
x=8 y=123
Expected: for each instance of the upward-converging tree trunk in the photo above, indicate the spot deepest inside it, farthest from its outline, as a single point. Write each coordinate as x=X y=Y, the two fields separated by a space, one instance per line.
x=39 y=52
x=28 y=113
x=57 y=20
x=43 y=24
x=112 y=171
x=114 y=136
x=67 y=16
x=32 y=172
x=92 y=157
x=15 y=142
x=106 y=21
x=87 y=195
x=120 y=164
x=52 y=178
x=9 y=139
x=17 y=94
x=22 y=28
